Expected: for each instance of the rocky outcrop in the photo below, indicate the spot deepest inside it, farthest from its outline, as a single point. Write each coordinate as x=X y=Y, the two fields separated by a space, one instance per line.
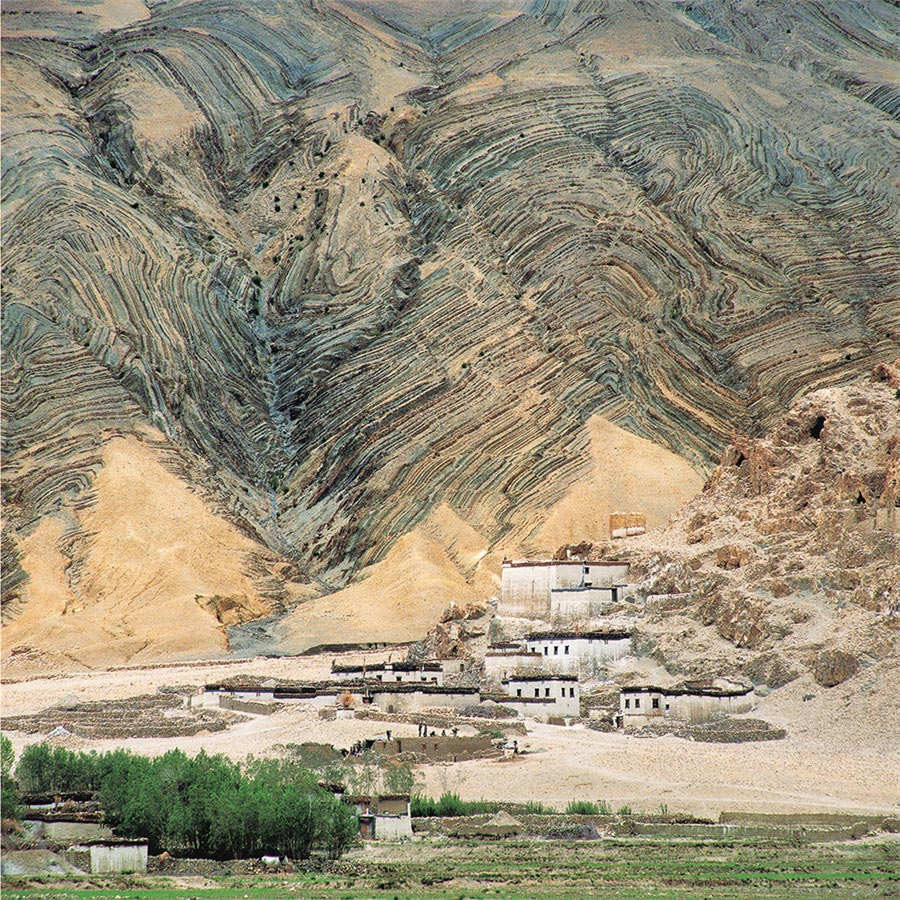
x=831 y=667
x=787 y=564
x=354 y=262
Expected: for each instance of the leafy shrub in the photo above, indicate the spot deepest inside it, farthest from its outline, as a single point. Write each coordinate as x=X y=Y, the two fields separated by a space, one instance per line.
x=583 y=808
x=535 y=808
x=450 y=804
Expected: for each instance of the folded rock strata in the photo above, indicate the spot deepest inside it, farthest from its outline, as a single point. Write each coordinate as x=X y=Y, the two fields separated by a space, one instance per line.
x=355 y=262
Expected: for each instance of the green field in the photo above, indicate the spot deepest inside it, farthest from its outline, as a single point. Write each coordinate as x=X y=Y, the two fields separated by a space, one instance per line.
x=515 y=870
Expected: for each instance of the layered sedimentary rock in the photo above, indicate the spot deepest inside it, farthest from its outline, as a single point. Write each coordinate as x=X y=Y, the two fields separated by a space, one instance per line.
x=359 y=262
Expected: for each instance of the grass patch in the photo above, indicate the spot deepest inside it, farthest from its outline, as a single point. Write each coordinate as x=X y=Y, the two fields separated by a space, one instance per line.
x=620 y=869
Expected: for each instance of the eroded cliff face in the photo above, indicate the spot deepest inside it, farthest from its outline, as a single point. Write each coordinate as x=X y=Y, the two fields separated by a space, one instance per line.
x=788 y=561
x=351 y=264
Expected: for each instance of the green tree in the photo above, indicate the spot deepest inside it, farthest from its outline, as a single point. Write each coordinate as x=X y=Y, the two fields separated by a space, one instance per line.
x=34 y=770
x=341 y=828
x=9 y=792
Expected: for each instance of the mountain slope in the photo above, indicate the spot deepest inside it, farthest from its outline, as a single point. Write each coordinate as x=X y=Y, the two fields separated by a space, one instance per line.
x=358 y=261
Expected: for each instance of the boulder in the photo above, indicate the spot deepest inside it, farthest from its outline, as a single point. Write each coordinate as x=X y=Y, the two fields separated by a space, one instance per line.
x=832 y=667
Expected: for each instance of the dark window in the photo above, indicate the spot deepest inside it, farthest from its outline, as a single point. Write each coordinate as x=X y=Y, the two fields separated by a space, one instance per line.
x=627 y=704
x=667 y=706
x=571 y=692
x=637 y=702
x=546 y=651
x=537 y=692
x=656 y=702
x=518 y=692
x=566 y=650
x=546 y=692
x=556 y=651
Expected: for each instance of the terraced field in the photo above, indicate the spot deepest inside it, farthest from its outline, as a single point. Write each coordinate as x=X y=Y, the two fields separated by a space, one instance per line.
x=562 y=871
x=338 y=266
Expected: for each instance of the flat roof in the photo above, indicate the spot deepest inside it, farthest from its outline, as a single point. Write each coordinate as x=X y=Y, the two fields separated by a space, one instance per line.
x=400 y=687
x=518 y=563
x=576 y=635
x=687 y=691
x=111 y=842
x=511 y=653
x=544 y=677
x=387 y=667
x=581 y=589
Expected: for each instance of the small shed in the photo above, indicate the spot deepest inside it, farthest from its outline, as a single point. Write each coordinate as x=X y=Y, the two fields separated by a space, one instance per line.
x=384 y=817
x=109 y=855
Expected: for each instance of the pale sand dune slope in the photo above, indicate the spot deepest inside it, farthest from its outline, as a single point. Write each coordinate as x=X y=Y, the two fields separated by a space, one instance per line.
x=396 y=599
x=629 y=474
x=147 y=555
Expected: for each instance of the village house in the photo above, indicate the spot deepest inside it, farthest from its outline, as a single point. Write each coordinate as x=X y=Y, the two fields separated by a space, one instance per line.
x=389 y=696
x=412 y=698
x=562 y=692
x=689 y=703
x=387 y=817
x=583 y=653
x=437 y=747
x=532 y=588
x=502 y=659
x=109 y=855
x=398 y=672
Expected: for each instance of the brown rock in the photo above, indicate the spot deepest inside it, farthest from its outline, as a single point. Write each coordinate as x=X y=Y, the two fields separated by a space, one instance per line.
x=831 y=667
x=737 y=619
x=732 y=557
x=574 y=551
x=778 y=587
x=771 y=669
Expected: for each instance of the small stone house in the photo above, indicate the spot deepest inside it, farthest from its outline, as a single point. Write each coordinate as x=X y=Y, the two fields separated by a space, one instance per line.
x=394 y=673
x=584 y=653
x=689 y=703
x=561 y=693
x=387 y=817
x=109 y=855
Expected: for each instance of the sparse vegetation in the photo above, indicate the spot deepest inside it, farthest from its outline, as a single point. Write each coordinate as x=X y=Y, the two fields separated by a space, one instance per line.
x=583 y=808
x=622 y=869
x=449 y=804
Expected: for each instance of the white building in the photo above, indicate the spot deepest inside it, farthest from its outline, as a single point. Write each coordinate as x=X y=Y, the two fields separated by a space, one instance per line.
x=526 y=585
x=398 y=673
x=584 y=653
x=387 y=817
x=502 y=660
x=110 y=855
x=563 y=690
x=412 y=698
x=690 y=704
x=579 y=603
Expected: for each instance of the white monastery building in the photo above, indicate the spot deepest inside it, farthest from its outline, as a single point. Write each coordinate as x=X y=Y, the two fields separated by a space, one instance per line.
x=573 y=588
x=691 y=704
x=502 y=660
x=561 y=693
x=582 y=653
